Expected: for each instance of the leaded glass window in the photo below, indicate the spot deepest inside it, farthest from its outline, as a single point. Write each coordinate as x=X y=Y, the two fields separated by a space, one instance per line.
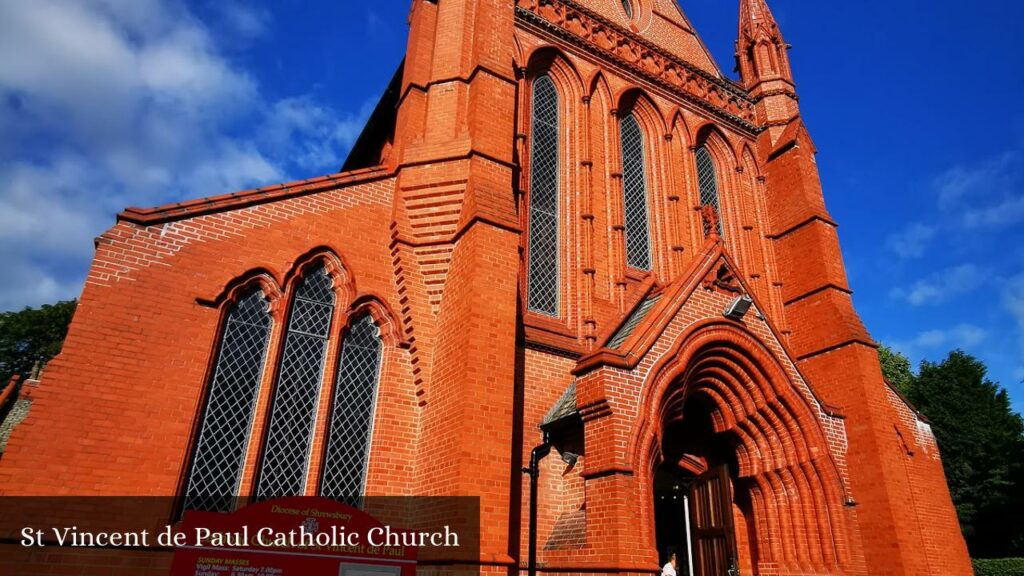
x=223 y=438
x=634 y=190
x=355 y=396
x=543 y=266
x=708 y=182
x=296 y=394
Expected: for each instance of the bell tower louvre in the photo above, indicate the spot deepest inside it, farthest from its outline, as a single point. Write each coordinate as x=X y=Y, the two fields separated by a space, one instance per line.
x=562 y=225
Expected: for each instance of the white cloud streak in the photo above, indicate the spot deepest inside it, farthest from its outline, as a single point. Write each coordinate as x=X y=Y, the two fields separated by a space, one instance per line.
x=962 y=336
x=1013 y=301
x=985 y=195
x=966 y=184
x=988 y=194
x=941 y=286
x=912 y=241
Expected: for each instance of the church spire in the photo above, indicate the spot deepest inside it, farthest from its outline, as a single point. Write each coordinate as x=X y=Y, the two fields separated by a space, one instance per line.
x=760 y=50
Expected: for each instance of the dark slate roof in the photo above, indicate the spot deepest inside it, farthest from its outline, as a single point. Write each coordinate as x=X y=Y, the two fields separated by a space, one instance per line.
x=632 y=322
x=564 y=408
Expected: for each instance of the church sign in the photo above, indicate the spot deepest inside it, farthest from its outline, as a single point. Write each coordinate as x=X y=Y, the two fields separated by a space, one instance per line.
x=294 y=537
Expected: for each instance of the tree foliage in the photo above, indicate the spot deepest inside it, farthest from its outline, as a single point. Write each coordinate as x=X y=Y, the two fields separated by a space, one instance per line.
x=32 y=335
x=982 y=444
x=896 y=369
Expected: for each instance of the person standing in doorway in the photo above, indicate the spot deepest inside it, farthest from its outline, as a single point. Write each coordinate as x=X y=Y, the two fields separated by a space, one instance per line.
x=670 y=567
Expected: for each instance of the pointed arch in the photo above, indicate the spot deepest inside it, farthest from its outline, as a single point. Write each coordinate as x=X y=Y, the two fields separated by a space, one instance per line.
x=774 y=428
x=342 y=281
x=314 y=287
x=383 y=315
x=554 y=89
x=352 y=408
x=264 y=278
x=709 y=134
x=679 y=128
x=518 y=53
x=225 y=422
x=715 y=160
x=634 y=100
x=598 y=86
x=641 y=130
x=635 y=192
x=543 y=253
x=552 y=61
x=748 y=160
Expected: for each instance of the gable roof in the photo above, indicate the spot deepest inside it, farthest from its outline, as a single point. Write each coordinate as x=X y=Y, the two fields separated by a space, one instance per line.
x=637 y=331
x=245 y=198
x=713 y=268
x=562 y=410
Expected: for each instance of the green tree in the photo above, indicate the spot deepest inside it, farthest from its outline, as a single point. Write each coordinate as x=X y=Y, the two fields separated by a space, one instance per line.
x=32 y=335
x=982 y=444
x=896 y=369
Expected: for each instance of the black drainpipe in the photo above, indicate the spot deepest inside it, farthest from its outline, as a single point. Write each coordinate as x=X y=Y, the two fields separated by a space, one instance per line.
x=533 y=470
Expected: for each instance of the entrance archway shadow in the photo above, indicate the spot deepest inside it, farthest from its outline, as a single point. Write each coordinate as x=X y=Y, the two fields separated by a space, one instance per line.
x=721 y=401
x=695 y=512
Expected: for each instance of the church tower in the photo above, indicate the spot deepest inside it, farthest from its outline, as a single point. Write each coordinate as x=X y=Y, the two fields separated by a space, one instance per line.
x=832 y=346
x=566 y=243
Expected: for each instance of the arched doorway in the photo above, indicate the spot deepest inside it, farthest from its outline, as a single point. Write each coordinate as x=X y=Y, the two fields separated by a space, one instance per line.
x=721 y=405
x=694 y=506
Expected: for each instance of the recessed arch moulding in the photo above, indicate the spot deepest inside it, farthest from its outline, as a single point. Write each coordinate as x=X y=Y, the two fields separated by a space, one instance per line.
x=789 y=447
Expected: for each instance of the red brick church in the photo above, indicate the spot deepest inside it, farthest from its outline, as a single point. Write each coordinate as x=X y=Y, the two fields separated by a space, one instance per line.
x=564 y=232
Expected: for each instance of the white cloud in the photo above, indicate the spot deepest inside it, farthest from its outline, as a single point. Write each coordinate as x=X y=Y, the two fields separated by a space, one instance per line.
x=1013 y=300
x=963 y=336
x=111 y=103
x=312 y=135
x=962 y=183
x=42 y=209
x=245 y=20
x=912 y=241
x=1007 y=211
x=988 y=194
x=941 y=286
x=24 y=283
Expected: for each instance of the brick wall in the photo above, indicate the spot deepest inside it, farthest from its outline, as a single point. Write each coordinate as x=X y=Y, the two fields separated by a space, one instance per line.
x=138 y=351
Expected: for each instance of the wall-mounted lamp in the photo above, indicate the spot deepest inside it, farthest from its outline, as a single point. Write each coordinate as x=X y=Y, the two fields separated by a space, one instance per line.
x=738 y=308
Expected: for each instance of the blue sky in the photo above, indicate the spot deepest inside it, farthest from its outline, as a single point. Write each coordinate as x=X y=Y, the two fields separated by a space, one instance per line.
x=914 y=106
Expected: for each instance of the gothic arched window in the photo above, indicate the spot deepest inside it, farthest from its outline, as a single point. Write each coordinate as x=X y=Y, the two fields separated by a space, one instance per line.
x=297 y=392
x=543 y=266
x=355 y=397
x=634 y=191
x=219 y=456
x=627 y=6
x=708 y=182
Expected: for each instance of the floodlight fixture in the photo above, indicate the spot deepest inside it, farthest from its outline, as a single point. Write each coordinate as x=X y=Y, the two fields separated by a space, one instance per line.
x=738 y=308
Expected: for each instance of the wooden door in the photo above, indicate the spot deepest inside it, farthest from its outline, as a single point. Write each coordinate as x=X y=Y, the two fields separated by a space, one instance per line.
x=713 y=539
